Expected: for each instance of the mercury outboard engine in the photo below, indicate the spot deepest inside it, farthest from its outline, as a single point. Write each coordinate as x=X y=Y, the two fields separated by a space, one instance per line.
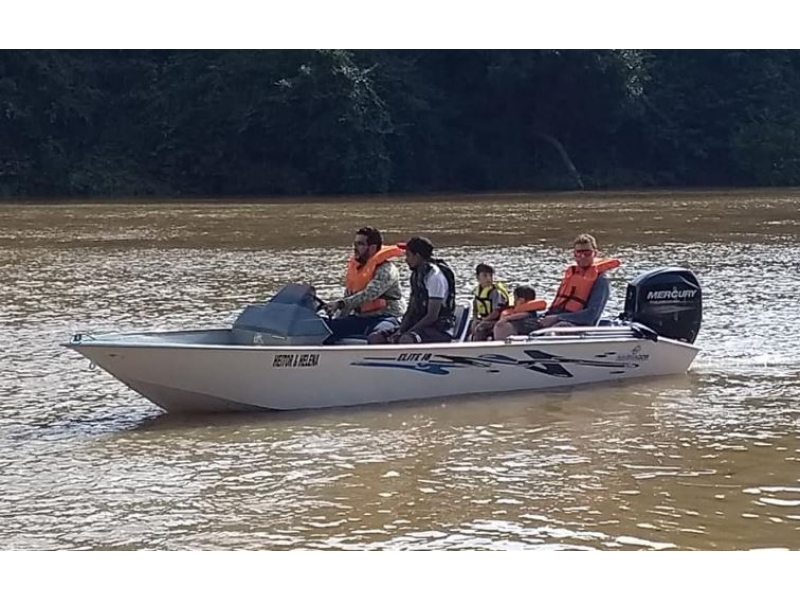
x=668 y=300
x=289 y=318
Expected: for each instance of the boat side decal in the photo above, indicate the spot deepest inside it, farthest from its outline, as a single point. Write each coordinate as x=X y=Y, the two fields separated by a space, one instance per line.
x=538 y=361
x=295 y=360
x=423 y=363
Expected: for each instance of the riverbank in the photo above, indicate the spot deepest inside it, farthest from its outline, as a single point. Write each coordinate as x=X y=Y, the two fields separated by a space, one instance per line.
x=633 y=194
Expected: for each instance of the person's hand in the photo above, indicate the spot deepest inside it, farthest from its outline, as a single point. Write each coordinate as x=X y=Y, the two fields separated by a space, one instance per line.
x=332 y=307
x=394 y=338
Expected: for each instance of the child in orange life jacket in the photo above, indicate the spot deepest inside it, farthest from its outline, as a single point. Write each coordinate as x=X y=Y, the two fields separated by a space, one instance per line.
x=489 y=299
x=523 y=317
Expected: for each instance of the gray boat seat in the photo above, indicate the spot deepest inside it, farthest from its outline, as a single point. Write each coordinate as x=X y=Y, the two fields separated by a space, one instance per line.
x=463 y=316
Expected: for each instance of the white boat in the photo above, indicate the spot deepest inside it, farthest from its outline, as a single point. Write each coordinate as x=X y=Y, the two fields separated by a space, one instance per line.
x=273 y=356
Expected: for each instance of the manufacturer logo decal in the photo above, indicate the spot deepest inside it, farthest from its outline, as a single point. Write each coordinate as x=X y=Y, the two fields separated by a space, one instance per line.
x=673 y=294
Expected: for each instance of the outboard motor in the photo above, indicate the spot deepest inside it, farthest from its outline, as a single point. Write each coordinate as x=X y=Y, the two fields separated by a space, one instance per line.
x=668 y=300
x=289 y=318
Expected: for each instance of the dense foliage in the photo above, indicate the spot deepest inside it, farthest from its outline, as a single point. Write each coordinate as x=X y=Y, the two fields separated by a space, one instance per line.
x=217 y=123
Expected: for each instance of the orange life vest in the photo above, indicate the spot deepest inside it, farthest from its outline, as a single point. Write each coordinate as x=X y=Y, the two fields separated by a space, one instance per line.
x=358 y=275
x=573 y=293
x=528 y=306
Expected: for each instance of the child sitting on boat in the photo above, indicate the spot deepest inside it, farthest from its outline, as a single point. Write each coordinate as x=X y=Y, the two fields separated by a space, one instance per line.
x=489 y=300
x=523 y=317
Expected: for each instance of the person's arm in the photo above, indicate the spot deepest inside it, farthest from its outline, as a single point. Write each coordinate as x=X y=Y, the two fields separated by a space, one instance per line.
x=406 y=323
x=595 y=305
x=434 y=306
x=499 y=302
x=437 y=292
x=386 y=275
x=516 y=316
x=335 y=305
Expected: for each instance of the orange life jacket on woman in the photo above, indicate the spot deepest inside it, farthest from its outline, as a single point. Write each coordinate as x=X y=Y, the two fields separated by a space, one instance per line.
x=528 y=306
x=358 y=275
x=573 y=293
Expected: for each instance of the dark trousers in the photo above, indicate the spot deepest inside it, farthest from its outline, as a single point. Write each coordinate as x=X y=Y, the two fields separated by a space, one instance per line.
x=358 y=326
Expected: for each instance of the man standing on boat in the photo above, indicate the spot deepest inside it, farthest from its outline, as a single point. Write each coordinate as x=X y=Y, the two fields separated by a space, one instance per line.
x=373 y=301
x=431 y=308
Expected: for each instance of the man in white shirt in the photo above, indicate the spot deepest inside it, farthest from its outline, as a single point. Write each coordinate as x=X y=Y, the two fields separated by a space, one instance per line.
x=431 y=308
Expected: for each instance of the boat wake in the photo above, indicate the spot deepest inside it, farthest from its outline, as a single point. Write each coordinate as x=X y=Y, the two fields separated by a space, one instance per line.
x=760 y=363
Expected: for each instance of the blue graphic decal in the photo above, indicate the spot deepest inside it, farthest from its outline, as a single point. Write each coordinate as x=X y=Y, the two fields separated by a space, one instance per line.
x=538 y=361
x=432 y=367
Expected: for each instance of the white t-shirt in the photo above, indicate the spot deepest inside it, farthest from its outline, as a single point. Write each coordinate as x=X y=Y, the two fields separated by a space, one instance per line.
x=436 y=283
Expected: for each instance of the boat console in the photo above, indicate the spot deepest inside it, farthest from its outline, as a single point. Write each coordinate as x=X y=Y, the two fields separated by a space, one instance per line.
x=289 y=318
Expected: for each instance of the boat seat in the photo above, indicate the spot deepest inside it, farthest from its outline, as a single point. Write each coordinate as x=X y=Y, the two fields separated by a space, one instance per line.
x=463 y=316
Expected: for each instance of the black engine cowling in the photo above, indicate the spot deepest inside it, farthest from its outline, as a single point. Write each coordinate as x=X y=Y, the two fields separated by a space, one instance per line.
x=668 y=300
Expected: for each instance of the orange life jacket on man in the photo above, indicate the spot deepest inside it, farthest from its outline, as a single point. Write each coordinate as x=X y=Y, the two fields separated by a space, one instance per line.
x=528 y=306
x=573 y=293
x=358 y=275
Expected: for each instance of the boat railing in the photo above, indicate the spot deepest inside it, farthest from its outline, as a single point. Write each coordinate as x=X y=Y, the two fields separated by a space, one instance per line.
x=628 y=330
